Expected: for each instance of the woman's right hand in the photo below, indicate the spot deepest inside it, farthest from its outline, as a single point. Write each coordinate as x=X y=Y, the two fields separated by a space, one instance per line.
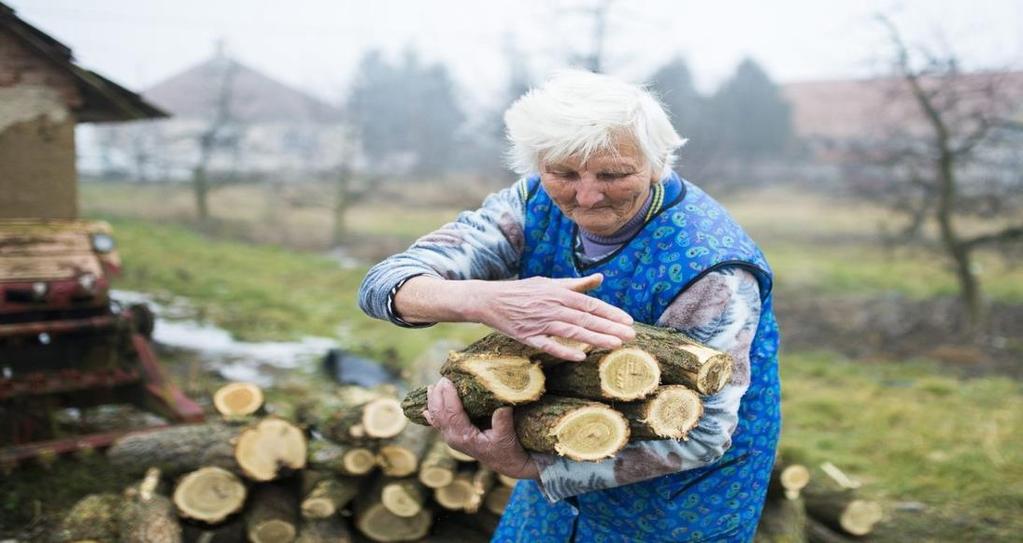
x=537 y=310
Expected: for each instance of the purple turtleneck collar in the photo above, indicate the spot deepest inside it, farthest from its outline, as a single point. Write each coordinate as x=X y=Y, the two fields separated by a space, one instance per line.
x=594 y=246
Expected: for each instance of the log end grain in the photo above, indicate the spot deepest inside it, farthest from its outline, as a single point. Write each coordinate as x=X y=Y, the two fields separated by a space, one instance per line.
x=383 y=418
x=379 y=524
x=860 y=516
x=510 y=380
x=238 y=399
x=590 y=433
x=269 y=445
x=628 y=374
x=671 y=413
x=209 y=495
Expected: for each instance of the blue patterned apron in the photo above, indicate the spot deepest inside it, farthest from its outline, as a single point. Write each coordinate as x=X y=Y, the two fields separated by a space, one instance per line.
x=684 y=239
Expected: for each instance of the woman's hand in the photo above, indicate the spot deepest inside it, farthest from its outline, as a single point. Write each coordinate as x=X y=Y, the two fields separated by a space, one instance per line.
x=536 y=310
x=497 y=448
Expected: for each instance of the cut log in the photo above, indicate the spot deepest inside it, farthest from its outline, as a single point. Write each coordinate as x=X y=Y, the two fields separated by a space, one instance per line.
x=829 y=500
x=671 y=413
x=177 y=449
x=438 y=467
x=238 y=399
x=622 y=374
x=354 y=415
x=497 y=499
x=782 y=521
x=401 y=457
x=819 y=533
x=272 y=516
x=93 y=518
x=209 y=495
x=488 y=381
x=379 y=524
x=576 y=429
x=788 y=481
x=842 y=511
x=326 y=455
x=403 y=497
x=482 y=481
x=459 y=455
x=325 y=494
x=683 y=360
x=231 y=531
x=146 y=516
x=263 y=449
x=327 y=530
x=499 y=344
x=458 y=495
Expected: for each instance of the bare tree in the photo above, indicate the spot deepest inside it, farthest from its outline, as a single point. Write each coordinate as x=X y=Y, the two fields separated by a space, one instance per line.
x=950 y=153
x=221 y=135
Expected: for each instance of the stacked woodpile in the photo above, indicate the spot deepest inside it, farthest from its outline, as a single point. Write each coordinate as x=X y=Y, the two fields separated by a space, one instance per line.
x=317 y=469
x=649 y=388
x=815 y=506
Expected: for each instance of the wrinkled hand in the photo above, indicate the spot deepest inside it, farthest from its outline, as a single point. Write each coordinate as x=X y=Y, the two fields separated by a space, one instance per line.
x=497 y=448
x=536 y=310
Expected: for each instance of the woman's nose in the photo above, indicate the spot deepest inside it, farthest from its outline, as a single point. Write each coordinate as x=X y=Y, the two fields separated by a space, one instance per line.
x=588 y=192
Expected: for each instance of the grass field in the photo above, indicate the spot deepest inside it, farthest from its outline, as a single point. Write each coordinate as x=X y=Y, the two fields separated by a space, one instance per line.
x=909 y=430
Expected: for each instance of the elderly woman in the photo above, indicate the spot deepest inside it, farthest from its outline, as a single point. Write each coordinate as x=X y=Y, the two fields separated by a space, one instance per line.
x=600 y=233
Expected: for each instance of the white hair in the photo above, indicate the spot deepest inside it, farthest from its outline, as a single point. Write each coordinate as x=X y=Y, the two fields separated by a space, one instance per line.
x=578 y=113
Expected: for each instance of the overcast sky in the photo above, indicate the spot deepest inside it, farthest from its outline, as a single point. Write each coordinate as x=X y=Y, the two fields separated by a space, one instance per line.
x=315 y=44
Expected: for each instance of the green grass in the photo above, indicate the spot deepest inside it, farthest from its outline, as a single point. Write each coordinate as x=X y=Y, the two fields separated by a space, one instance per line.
x=260 y=292
x=910 y=433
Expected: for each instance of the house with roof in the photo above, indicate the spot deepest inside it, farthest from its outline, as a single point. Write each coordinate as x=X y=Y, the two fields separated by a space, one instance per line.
x=44 y=95
x=240 y=121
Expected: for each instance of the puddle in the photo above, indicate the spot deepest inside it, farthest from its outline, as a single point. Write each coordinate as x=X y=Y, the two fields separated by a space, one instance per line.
x=254 y=362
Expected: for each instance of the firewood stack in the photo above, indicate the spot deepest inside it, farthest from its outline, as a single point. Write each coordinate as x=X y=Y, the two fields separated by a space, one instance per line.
x=814 y=506
x=649 y=388
x=339 y=461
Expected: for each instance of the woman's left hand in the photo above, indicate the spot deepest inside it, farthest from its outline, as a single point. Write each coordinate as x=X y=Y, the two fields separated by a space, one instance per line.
x=497 y=448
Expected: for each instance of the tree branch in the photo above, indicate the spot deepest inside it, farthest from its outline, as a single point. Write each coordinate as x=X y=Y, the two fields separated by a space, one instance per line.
x=1012 y=233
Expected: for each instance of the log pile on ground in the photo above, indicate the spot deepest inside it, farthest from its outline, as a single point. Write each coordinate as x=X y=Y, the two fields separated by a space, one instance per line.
x=321 y=474
x=649 y=388
x=814 y=506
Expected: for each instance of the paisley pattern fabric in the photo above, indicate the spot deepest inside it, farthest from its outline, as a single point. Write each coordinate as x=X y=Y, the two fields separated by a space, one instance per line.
x=690 y=237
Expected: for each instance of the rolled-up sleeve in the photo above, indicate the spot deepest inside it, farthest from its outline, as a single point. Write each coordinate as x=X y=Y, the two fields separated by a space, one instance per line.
x=721 y=310
x=481 y=244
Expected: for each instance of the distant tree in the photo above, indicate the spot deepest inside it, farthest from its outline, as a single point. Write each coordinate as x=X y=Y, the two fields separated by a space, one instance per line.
x=221 y=136
x=405 y=112
x=753 y=119
x=673 y=84
x=949 y=151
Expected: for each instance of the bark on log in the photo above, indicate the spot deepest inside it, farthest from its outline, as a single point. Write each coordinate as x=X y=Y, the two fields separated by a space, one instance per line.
x=497 y=499
x=482 y=481
x=146 y=516
x=438 y=467
x=684 y=361
x=93 y=518
x=671 y=413
x=324 y=494
x=782 y=521
x=209 y=495
x=829 y=501
x=816 y=532
x=622 y=374
x=401 y=457
x=353 y=415
x=272 y=516
x=327 y=530
x=231 y=531
x=577 y=429
x=269 y=448
x=326 y=455
x=379 y=524
x=177 y=449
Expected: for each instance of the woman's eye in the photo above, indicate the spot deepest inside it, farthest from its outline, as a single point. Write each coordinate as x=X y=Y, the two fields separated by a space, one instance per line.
x=612 y=175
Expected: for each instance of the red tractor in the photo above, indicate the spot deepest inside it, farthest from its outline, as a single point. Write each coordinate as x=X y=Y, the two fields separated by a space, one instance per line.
x=64 y=342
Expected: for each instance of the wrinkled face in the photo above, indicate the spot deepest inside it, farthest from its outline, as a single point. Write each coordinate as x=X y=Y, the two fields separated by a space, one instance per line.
x=602 y=194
